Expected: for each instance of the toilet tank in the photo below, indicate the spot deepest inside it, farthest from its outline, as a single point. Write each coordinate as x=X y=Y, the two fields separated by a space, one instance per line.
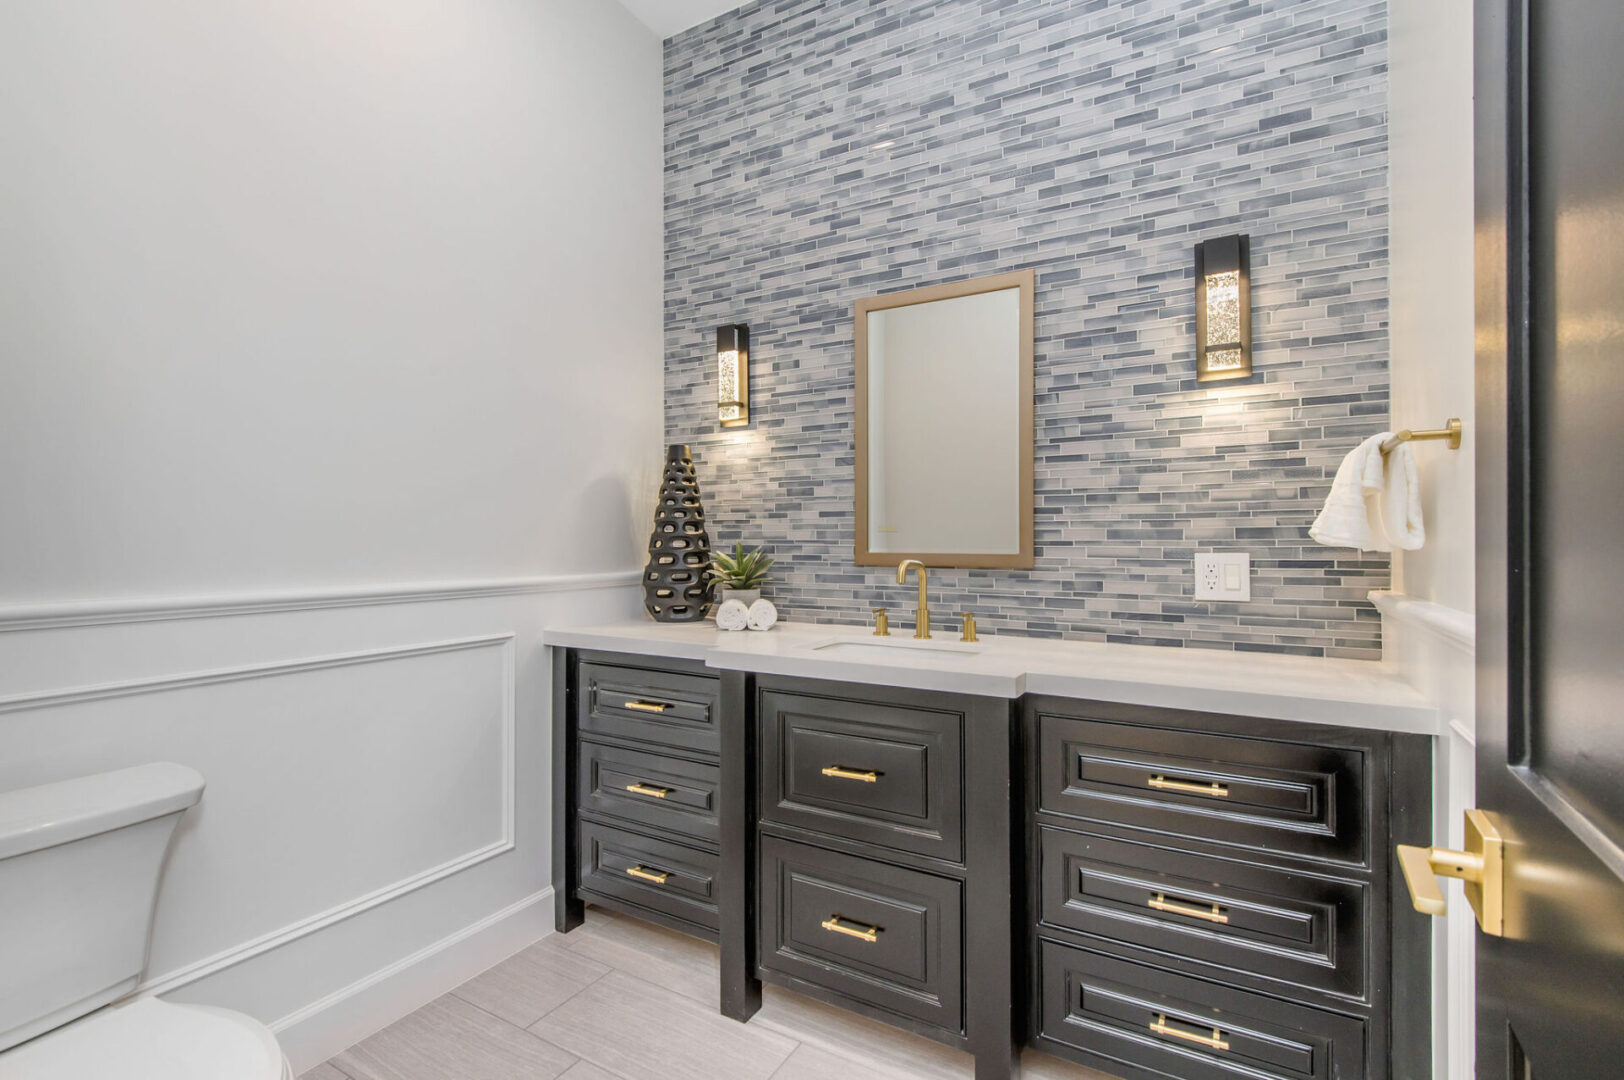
x=79 y=865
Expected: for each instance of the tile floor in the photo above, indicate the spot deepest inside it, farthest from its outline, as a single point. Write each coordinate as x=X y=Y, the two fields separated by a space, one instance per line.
x=618 y=999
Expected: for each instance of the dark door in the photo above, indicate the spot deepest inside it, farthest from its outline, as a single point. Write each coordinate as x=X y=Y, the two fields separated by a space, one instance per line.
x=1550 y=413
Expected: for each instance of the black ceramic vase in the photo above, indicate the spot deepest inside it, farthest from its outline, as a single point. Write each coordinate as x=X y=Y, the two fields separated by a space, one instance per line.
x=675 y=584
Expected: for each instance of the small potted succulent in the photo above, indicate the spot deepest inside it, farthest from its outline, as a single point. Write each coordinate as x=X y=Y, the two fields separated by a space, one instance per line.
x=738 y=576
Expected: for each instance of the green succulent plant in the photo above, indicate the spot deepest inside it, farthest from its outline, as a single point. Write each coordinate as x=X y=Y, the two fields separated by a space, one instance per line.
x=741 y=570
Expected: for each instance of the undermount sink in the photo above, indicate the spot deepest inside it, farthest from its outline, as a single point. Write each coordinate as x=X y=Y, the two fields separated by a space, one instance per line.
x=890 y=649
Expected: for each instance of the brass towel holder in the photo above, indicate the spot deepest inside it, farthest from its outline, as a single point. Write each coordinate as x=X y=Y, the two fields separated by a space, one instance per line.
x=1450 y=431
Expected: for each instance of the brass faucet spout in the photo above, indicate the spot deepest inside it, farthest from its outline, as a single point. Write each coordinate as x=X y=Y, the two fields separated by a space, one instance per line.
x=922 y=621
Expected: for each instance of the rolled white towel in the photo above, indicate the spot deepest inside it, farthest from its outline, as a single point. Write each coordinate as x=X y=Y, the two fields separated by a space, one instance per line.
x=732 y=615
x=762 y=615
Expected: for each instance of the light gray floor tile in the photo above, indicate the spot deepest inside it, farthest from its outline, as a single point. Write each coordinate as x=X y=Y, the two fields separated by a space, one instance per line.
x=532 y=983
x=855 y=1037
x=651 y=953
x=631 y=1027
x=585 y=1070
x=1036 y=1066
x=325 y=1071
x=815 y=1063
x=449 y=1038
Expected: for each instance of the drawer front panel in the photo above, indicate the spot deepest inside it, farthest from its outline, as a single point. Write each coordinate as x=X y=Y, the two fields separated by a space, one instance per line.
x=1112 y=1012
x=883 y=774
x=1297 y=929
x=657 y=874
x=650 y=790
x=1283 y=797
x=886 y=936
x=658 y=707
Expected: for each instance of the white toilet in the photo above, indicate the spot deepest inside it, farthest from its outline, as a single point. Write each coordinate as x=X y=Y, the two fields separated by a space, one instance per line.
x=79 y=865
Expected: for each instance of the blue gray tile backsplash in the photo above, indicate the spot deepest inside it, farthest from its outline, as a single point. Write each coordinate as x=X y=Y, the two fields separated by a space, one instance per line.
x=819 y=151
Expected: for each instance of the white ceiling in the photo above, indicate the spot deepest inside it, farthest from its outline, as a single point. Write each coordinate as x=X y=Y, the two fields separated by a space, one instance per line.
x=667 y=17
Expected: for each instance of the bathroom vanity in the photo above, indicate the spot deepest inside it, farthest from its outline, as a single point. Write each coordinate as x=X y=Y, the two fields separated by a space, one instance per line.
x=1156 y=863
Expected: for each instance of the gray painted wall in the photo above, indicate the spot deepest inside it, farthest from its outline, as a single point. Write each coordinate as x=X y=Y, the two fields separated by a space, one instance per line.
x=821 y=150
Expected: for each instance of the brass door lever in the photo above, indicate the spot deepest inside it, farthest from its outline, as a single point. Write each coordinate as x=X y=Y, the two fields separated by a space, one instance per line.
x=1480 y=866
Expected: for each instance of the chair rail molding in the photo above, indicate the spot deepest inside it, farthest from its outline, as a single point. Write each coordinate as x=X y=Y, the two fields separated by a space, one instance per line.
x=1450 y=625
x=58 y=614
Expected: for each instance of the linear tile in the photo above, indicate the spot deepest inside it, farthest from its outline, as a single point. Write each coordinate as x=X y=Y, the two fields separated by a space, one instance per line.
x=532 y=983
x=325 y=1071
x=450 y=1038
x=631 y=1027
x=650 y=953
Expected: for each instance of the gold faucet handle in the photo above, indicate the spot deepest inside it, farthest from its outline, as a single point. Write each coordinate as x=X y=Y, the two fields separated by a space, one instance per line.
x=969 y=633
x=882 y=623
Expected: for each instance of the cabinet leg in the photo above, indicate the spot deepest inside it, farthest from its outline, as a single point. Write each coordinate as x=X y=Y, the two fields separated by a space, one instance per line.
x=568 y=913
x=741 y=995
x=999 y=1063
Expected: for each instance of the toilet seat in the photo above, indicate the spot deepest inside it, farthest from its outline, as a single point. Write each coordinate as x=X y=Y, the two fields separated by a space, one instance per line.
x=149 y=1039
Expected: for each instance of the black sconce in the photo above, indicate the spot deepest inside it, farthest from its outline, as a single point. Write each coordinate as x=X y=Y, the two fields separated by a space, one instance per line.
x=733 y=375
x=1223 y=310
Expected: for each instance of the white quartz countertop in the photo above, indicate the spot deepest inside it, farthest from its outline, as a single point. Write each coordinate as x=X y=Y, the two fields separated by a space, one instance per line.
x=1350 y=693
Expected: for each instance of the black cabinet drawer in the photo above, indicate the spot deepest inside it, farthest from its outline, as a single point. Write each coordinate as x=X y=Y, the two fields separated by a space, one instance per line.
x=1294 y=928
x=669 y=878
x=1291 y=798
x=651 y=790
x=884 y=774
x=1111 y=1013
x=659 y=707
x=879 y=934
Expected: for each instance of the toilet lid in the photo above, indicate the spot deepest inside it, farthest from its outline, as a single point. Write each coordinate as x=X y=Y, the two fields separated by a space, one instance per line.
x=149 y=1039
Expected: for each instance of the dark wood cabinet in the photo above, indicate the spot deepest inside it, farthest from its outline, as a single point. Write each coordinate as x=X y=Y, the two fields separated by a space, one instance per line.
x=1155 y=893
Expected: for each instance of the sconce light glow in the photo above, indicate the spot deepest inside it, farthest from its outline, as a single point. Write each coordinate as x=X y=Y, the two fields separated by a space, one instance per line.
x=1223 y=310
x=733 y=375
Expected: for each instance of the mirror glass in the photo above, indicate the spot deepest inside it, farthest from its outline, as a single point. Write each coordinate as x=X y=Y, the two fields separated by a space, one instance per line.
x=944 y=416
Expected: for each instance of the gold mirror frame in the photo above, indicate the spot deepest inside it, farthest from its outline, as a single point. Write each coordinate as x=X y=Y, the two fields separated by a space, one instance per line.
x=1026 y=281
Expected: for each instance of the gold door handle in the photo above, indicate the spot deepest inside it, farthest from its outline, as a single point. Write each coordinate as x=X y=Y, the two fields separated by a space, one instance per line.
x=656 y=876
x=1215 y=1041
x=647 y=706
x=647 y=789
x=837 y=924
x=1213 y=788
x=1481 y=867
x=868 y=777
x=1214 y=913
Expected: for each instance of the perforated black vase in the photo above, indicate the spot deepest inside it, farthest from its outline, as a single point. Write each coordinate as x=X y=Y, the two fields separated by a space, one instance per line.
x=675 y=586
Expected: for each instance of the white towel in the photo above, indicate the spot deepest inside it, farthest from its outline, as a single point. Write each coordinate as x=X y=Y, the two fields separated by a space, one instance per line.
x=732 y=615
x=1375 y=500
x=762 y=615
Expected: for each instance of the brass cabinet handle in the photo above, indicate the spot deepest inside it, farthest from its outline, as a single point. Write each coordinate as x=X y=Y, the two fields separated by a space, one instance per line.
x=867 y=777
x=648 y=789
x=1215 y=789
x=656 y=876
x=647 y=706
x=1215 y=1041
x=836 y=924
x=1211 y=914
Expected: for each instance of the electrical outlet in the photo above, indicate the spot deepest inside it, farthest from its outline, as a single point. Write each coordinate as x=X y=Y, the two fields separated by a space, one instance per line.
x=1223 y=575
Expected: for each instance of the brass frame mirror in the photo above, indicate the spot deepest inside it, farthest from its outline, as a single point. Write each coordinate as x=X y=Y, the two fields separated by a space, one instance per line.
x=994 y=420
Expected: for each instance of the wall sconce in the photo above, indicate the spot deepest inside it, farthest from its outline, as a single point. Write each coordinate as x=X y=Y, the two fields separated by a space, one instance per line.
x=733 y=375
x=1223 y=310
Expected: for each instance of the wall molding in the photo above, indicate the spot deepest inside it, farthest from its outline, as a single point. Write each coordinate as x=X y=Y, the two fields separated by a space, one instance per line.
x=1448 y=624
x=60 y=614
x=236 y=954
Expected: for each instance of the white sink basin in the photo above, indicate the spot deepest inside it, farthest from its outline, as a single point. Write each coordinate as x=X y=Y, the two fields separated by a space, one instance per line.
x=885 y=649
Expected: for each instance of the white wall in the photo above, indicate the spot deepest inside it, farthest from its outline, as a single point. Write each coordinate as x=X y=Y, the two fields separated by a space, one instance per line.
x=330 y=373
x=1428 y=633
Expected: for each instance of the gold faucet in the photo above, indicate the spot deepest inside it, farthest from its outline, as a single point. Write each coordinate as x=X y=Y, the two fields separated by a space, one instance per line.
x=922 y=622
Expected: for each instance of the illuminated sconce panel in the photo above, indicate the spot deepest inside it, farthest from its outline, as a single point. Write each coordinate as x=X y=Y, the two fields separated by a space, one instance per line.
x=733 y=375
x=1223 y=310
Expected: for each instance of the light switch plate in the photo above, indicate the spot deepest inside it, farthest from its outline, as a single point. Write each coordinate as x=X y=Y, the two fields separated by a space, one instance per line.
x=1223 y=575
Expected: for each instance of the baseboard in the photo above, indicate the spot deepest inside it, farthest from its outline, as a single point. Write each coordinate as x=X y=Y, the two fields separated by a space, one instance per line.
x=311 y=1035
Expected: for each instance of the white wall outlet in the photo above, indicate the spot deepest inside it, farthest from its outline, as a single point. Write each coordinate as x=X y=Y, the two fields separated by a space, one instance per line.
x=1223 y=575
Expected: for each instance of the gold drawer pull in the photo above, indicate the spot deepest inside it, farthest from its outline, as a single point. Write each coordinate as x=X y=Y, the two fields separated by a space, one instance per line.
x=836 y=924
x=656 y=876
x=1215 y=1041
x=866 y=776
x=1215 y=789
x=646 y=789
x=647 y=706
x=1161 y=903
